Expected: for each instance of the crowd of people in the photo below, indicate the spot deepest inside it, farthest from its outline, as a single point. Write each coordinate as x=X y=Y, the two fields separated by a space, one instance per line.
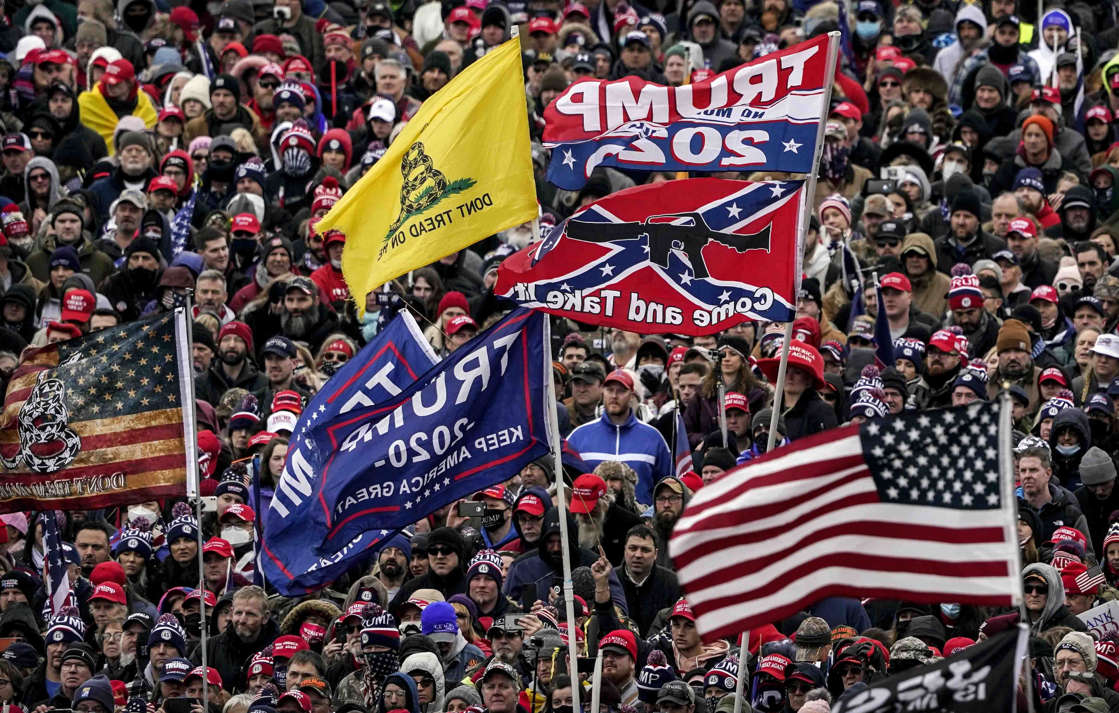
x=967 y=191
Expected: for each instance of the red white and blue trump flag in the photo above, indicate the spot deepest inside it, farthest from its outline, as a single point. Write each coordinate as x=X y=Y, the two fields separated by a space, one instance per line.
x=688 y=257
x=907 y=507
x=763 y=115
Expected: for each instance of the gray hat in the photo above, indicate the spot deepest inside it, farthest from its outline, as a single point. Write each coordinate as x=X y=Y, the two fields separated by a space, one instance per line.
x=130 y=195
x=677 y=692
x=763 y=417
x=910 y=648
x=1096 y=467
x=812 y=635
x=1092 y=704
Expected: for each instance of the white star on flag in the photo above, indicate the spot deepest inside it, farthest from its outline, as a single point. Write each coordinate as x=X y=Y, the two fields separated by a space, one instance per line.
x=791 y=145
x=733 y=210
x=607 y=270
x=685 y=278
x=778 y=190
x=568 y=159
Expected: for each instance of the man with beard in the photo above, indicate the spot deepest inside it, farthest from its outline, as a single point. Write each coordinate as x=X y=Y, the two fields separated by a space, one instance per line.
x=1078 y=218
x=249 y=630
x=669 y=499
x=601 y=523
x=302 y=316
x=235 y=369
x=130 y=290
x=966 y=240
x=965 y=301
x=942 y=365
x=649 y=587
x=135 y=156
x=68 y=222
x=211 y=294
x=507 y=643
x=1091 y=261
x=1015 y=364
x=278 y=356
x=392 y=563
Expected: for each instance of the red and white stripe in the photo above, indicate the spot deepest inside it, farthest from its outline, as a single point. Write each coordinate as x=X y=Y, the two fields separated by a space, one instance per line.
x=806 y=522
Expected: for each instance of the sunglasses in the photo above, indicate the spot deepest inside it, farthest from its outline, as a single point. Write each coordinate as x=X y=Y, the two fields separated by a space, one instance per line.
x=496 y=634
x=1036 y=589
x=889 y=84
x=1066 y=286
x=269 y=85
x=39 y=134
x=39 y=177
x=200 y=156
x=335 y=357
x=439 y=551
x=890 y=242
x=842 y=671
x=798 y=687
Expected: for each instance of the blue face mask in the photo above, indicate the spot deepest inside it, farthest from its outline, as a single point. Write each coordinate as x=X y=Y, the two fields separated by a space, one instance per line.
x=369 y=324
x=1068 y=450
x=868 y=30
x=950 y=610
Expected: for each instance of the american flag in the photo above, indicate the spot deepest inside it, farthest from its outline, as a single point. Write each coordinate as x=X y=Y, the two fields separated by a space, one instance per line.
x=180 y=224
x=56 y=574
x=907 y=507
x=681 y=449
x=1090 y=579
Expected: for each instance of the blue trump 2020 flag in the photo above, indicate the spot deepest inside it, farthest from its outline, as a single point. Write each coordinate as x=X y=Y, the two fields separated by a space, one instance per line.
x=360 y=468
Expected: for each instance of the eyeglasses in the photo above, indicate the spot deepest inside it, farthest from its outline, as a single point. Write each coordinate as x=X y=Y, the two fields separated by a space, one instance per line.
x=200 y=156
x=798 y=687
x=1066 y=286
x=439 y=551
x=842 y=671
x=889 y=84
x=669 y=499
x=335 y=357
x=498 y=634
x=1036 y=589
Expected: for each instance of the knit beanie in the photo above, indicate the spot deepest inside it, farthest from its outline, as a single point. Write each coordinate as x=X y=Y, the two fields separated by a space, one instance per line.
x=839 y=203
x=654 y=676
x=183 y=524
x=227 y=82
x=168 y=630
x=963 y=290
x=378 y=628
x=972 y=380
x=238 y=329
x=966 y=201
x=1013 y=335
x=96 y=689
x=134 y=540
x=869 y=403
x=1042 y=122
x=448 y=537
x=65 y=627
x=1096 y=467
x=487 y=563
x=724 y=675
x=467 y=694
x=453 y=299
x=439 y=622
x=1082 y=644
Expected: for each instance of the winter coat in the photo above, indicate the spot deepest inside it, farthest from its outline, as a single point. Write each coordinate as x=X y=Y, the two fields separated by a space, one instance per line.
x=211 y=385
x=1066 y=468
x=101 y=118
x=810 y=414
x=1055 y=612
x=94 y=263
x=430 y=664
x=950 y=251
x=1062 y=511
x=930 y=291
x=659 y=590
x=229 y=654
x=1096 y=512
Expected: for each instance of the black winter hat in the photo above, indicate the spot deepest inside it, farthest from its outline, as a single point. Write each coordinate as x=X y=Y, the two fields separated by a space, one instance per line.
x=437 y=60
x=967 y=201
x=448 y=537
x=227 y=82
x=202 y=336
x=142 y=245
x=891 y=377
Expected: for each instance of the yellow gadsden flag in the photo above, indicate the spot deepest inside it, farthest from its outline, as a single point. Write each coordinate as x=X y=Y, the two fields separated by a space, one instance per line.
x=460 y=171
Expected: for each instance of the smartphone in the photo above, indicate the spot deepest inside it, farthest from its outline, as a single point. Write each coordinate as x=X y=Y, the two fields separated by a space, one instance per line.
x=472 y=510
x=882 y=186
x=511 y=622
x=180 y=704
x=209 y=503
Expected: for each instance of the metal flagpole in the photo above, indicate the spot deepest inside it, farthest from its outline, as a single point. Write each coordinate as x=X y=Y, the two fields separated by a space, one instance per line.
x=552 y=417
x=596 y=682
x=807 y=200
x=1014 y=560
x=722 y=398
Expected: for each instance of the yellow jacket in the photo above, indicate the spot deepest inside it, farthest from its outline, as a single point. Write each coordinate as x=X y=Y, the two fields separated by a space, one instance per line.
x=99 y=116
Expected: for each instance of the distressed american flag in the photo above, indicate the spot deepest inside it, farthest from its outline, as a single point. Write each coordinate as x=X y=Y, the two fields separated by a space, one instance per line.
x=907 y=507
x=57 y=575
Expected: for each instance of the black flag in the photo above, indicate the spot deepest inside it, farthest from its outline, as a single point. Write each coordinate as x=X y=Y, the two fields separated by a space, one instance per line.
x=980 y=679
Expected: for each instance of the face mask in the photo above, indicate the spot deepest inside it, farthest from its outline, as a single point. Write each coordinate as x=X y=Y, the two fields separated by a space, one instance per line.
x=655 y=370
x=1068 y=450
x=243 y=246
x=492 y=517
x=312 y=633
x=409 y=627
x=336 y=264
x=833 y=162
x=143 y=277
x=563 y=709
x=950 y=610
x=868 y=30
x=139 y=514
x=381 y=663
x=951 y=168
x=369 y=323
x=193 y=623
x=235 y=536
x=769 y=698
x=712 y=703
x=296 y=161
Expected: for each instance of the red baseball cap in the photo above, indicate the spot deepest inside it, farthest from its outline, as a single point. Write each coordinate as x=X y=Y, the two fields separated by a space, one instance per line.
x=463 y=14
x=118 y=71
x=619 y=376
x=1053 y=374
x=1023 y=226
x=172 y=112
x=1068 y=533
x=459 y=323
x=887 y=53
x=1099 y=111
x=240 y=510
x=896 y=281
x=333 y=236
x=211 y=598
x=218 y=546
x=733 y=399
x=681 y=608
x=1046 y=293
x=774 y=665
x=71 y=329
x=847 y=110
x=1048 y=95
x=210 y=674
x=542 y=24
x=245 y=222
x=532 y=504
x=301 y=698
x=622 y=639
x=109 y=592
x=677 y=355
x=585 y=492
x=286 y=646
x=78 y=305
x=163 y=183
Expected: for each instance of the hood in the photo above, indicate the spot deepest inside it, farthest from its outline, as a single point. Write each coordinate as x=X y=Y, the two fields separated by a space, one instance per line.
x=703 y=7
x=47 y=165
x=111 y=54
x=23 y=294
x=1065 y=18
x=538 y=492
x=183 y=74
x=428 y=663
x=197 y=87
x=122 y=5
x=1078 y=420
x=188 y=186
x=973 y=120
x=42 y=12
x=298 y=613
x=923 y=241
x=927 y=628
x=408 y=684
x=971 y=13
x=1055 y=596
x=916 y=173
x=920 y=118
x=20 y=617
x=1107 y=69
x=550 y=526
x=343 y=138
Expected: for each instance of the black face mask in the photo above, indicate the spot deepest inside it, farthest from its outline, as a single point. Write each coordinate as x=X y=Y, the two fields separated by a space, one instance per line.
x=492 y=518
x=137 y=22
x=908 y=43
x=243 y=246
x=143 y=277
x=193 y=623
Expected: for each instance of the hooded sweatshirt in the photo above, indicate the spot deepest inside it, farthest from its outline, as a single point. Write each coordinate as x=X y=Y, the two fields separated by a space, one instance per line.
x=44 y=163
x=1046 y=55
x=412 y=699
x=428 y=663
x=1055 y=613
x=949 y=59
x=931 y=289
x=1066 y=468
